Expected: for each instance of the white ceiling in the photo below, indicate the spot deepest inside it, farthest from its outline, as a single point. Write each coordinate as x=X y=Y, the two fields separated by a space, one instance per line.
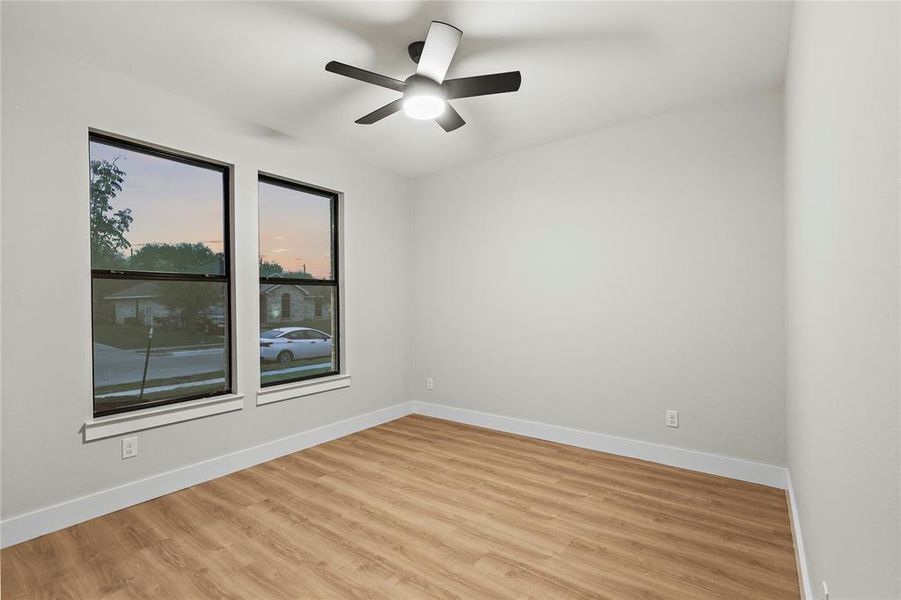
x=584 y=64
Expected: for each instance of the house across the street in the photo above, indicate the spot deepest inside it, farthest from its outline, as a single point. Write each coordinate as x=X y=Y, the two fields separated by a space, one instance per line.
x=140 y=304
x=286 y=303
x=140 y=301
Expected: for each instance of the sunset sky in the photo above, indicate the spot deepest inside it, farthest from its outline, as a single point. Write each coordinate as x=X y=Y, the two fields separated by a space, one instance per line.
x=295 y=229
x=173 y=202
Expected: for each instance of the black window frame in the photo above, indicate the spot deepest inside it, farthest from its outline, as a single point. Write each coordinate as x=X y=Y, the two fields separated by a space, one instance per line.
x=334 y=282
x=225 y=277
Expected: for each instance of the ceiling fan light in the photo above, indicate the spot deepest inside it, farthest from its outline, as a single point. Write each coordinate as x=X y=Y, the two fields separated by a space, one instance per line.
x=424 y=106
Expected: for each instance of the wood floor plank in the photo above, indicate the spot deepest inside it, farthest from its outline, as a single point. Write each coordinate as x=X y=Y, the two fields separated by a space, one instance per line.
x=425 y=508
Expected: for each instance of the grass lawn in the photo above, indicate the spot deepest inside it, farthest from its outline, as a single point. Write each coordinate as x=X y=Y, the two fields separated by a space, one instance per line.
x=127 y=337
x=112 y=402
x=267 y=376
x=186 y=379
x=189 y=385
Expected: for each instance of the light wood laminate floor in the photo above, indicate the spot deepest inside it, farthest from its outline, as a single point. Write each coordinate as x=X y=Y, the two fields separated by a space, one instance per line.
x=424 y=508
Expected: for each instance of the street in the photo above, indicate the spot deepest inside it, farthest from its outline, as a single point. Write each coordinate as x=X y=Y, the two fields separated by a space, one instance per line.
x=114 y=366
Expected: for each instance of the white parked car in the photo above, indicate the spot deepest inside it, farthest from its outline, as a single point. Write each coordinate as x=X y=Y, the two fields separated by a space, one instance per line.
x=291 y=343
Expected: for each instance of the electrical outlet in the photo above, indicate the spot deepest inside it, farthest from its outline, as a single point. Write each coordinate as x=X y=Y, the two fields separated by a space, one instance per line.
x=429 y=383
x=672 y=418
x=129 y=447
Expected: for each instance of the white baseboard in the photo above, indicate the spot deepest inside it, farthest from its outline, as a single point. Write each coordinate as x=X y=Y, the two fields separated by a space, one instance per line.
x=46 y=520
x=714 y=464
x=52 y=518
x=801 y=558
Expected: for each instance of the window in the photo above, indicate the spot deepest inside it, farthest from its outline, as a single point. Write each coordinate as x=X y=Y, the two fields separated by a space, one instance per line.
x=286 y=306
x=299 y=290
x=160 y=276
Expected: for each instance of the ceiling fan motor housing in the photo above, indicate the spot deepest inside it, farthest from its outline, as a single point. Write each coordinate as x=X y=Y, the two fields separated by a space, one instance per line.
x=424 y=98
x=415 y=51
x=417 y=85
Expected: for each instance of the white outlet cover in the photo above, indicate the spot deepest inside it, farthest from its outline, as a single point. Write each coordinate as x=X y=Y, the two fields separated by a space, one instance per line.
x=129 y=447
x=429 y=383
x=672 y=418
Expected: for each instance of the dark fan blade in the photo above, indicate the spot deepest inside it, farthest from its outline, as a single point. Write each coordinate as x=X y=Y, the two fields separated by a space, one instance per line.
x=381 y=113
x=482 y=85
x=363 y=75
x=450 y=119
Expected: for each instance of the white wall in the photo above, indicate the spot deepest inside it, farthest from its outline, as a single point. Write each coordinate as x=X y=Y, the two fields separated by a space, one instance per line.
x=597 y=281
x=48 y=105
x=842 y=222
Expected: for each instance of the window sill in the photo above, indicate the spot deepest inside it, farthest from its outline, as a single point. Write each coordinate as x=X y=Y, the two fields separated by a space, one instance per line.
x=301 y=388
x=103 y=427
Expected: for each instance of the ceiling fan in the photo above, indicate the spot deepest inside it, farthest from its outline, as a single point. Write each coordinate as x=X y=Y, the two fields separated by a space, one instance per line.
x=426 y=92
